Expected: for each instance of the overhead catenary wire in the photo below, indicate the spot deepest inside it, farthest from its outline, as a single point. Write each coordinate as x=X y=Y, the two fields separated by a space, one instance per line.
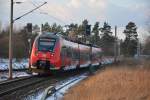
x=46 y=13
x=37 y=7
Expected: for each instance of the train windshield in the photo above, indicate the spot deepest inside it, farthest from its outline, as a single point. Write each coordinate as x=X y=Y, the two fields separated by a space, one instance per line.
x=46 y=44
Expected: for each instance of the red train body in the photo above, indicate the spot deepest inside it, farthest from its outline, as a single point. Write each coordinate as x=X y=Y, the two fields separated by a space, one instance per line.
x=52 y=52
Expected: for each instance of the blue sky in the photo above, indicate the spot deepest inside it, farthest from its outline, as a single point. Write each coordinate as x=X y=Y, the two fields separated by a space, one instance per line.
x=115 y=12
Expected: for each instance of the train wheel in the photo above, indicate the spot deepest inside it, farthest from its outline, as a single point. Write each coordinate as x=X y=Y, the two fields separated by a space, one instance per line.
x=99 y=66
x=56 y=72
x=29 y=71
x=92 y=69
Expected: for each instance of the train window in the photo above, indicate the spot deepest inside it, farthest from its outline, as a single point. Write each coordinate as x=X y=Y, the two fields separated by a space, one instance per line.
x=63 y=52
x=69 y=53
x=46 y=44
x=84 y=56
x=75 y=54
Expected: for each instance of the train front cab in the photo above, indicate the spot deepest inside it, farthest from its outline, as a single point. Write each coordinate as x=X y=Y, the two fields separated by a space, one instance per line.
x=45 y=54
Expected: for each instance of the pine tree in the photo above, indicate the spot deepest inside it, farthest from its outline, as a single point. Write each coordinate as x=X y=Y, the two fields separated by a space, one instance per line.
x=84 y=23
x=107 y=40
x=95 y=38
x=106 y=29
x=130 y=31
x=81 y=30
x=54 y=28
x=46 y=27
x=129 y=46
x=35 y=29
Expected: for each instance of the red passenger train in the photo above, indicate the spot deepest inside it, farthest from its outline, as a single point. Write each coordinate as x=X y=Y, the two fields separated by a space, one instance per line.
x=52 y=52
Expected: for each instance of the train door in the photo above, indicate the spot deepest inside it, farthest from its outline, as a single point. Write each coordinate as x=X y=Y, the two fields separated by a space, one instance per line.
x=63 y=56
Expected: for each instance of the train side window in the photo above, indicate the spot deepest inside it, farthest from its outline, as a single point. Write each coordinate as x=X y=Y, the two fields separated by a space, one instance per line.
x=85 y=56
x=63 y=51
x=75 y=54
x=69 y=53
x=100 y=55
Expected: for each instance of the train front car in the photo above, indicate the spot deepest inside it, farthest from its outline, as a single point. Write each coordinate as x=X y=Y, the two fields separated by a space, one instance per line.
x=45 y=55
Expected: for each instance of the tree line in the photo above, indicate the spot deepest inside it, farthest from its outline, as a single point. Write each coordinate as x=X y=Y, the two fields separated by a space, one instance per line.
x=101 y=36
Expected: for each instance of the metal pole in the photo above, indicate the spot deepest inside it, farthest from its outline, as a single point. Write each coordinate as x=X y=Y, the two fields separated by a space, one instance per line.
x=29 y=41
x=138 y=48
x=41 y=31
x=10 y=40
x=115 y=47
x=119 y=48
x=79 y=52
x=11 y=31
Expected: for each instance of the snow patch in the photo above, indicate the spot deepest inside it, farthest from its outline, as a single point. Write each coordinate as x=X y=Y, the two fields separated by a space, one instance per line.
x=4 y=75
x=17 y=64
x=60 y=93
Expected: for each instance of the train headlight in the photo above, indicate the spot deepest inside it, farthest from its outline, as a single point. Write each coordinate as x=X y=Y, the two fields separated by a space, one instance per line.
x=52 y=55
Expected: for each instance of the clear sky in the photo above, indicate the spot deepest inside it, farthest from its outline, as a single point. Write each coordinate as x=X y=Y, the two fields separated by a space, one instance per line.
x=115 y=12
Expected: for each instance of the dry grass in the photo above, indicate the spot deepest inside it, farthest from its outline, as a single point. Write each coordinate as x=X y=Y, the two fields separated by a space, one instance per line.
x=115 y=83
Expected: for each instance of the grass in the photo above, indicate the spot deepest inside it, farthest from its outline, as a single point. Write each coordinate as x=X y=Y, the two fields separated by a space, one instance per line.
x=115 y=83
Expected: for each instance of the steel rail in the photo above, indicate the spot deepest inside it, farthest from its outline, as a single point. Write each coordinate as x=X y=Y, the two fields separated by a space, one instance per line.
x=18 y=86
x=52 y=89
x=6 y=70
x=15 y=80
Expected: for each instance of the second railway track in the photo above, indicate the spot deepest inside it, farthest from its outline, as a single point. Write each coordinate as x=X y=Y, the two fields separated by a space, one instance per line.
x=13 y=85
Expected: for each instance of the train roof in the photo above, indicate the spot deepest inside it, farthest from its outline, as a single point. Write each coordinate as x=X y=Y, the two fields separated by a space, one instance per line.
x=48 y=34
x=58 y=36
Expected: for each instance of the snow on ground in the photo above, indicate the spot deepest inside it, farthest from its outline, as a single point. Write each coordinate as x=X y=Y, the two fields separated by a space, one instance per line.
x=60 y=93
x=107 y=60
x=4 y=75
x=23 y=63
x=17 y=64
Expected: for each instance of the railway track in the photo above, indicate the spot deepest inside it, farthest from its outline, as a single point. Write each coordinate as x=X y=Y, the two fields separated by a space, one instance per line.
x=10 y=86
x=6 y=70
x=22 y=87
x=14 y=80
